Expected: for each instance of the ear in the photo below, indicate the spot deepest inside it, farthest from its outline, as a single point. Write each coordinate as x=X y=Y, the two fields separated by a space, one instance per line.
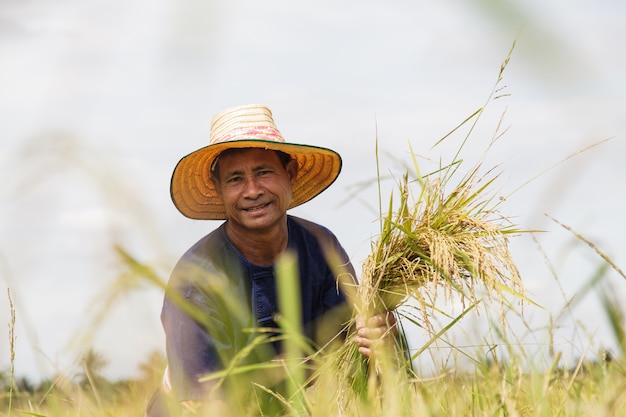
x=216 y=185
x=292 y=170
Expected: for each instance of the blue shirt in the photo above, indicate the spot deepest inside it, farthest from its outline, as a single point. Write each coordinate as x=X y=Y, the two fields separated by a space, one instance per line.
x=216 y=296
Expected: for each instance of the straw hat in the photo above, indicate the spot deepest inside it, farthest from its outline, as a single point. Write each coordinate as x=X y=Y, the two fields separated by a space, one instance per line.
x=248 y=126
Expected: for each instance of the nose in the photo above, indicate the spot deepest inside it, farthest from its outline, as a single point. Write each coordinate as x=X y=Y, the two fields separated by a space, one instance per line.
x=252 y=188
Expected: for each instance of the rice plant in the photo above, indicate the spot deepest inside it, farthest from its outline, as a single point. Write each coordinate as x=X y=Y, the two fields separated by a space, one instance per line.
x=445 y=236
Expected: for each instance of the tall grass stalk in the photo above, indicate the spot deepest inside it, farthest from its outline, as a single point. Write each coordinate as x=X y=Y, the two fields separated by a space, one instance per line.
x=12 y=350
x=290 y=320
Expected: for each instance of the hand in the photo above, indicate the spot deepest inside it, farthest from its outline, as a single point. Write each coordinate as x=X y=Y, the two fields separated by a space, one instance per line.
x=371 y=331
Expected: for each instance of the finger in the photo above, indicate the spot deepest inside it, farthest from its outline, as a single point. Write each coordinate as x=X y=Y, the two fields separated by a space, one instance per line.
x=363 y=342
x=360 y=322
x=372 y=332
x=367 y=352
x=386 y=319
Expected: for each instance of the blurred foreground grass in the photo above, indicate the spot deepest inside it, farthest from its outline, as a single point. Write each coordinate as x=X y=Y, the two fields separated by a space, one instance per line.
x=594 y=388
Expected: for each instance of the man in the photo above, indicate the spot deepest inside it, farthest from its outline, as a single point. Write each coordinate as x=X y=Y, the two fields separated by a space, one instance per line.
x=221 y=309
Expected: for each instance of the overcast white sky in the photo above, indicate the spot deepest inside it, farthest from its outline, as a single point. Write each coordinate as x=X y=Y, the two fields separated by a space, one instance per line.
x=99 y=100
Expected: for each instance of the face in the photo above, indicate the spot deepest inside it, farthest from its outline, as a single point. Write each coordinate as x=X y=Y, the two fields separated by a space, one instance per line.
x=255 y=188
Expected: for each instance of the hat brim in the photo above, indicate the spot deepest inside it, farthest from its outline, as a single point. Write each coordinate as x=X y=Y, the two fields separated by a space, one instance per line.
x=195 y=197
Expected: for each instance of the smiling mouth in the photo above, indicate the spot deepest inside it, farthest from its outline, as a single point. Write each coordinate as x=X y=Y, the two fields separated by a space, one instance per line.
x=256 y=208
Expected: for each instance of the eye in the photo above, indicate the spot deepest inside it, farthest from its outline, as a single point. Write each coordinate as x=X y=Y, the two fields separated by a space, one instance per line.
x=234 y=179
x=264 y=172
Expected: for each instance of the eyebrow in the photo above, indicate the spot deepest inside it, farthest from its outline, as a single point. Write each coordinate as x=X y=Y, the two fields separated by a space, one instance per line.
x=255 y=169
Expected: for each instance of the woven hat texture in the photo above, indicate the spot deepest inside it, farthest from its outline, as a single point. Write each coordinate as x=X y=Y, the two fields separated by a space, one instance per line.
x=250 y=126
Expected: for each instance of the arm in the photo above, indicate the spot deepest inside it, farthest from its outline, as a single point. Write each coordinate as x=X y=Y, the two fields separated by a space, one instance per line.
x=191 y=351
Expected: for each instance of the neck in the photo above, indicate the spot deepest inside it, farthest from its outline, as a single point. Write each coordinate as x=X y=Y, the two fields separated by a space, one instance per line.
x=261 y=247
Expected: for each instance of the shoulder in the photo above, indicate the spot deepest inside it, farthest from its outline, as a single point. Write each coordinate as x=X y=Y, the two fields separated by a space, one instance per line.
x=326 y=242
x=323 y=237
x=204 y=250
x=208 y=256
x=320 y=232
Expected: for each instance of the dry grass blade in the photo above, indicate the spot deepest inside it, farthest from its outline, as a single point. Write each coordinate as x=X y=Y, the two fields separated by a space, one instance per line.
x=604 y=257
x=12 y=349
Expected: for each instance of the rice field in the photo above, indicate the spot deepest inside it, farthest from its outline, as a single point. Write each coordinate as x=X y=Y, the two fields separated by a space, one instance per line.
x=403 y=274
x=490 y=388
x=442 y=241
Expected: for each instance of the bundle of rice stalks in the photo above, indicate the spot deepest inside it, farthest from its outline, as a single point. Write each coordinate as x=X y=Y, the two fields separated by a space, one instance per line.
x=445 y=239
x=444 y=236
x=452 y=240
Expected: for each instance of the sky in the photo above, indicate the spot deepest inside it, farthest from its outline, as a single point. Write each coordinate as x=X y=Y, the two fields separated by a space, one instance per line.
x=100 y=99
